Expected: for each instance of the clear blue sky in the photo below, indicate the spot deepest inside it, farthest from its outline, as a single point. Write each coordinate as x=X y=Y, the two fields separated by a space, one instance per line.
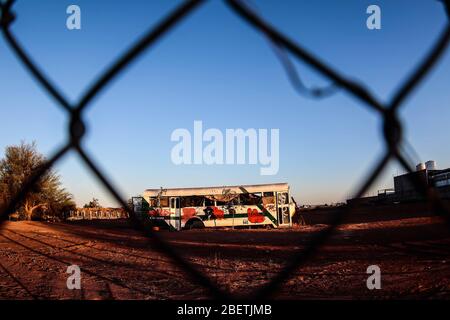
x=215 y=68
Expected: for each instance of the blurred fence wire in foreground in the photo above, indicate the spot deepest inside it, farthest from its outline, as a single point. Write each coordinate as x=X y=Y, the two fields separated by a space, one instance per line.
x=283 y=47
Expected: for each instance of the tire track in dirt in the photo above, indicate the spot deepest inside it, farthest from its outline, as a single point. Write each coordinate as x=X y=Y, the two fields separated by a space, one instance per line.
x=126 y=254
x=56 y=227
x=122 y=264
x=49 y=273
x=166 y=277
x=216 y=272
x=200 y=264
x=221 y=273
x=35 y=271
x=96 y=277
x=431 y=249
x=160 y=282
x=411 y=266
x=75 y=245
x=17 y=281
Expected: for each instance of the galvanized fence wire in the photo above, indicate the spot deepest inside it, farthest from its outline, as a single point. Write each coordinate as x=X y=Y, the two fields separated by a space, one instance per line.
x=392 y=126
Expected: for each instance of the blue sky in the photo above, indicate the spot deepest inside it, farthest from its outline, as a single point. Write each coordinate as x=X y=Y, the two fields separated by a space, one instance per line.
x=215 y=68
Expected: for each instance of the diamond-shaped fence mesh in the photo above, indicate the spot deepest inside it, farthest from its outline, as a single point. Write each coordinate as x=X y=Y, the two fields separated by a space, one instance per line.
x=283 y=45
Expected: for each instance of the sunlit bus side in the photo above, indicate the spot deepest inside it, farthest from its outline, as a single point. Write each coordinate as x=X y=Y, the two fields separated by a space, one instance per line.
x=267 y=205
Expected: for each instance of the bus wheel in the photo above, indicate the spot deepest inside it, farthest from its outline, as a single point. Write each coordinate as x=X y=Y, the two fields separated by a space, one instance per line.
x=196 y=224
x=269 y=227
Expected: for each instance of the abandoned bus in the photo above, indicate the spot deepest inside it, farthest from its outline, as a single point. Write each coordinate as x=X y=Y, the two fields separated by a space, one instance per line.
x=228 y=206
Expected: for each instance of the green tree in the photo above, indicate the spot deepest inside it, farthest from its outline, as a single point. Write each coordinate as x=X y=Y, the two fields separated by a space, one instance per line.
x=47 y=195
x=94 y=203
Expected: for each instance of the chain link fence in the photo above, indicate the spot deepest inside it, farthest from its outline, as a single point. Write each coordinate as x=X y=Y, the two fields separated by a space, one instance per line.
x=392 y=126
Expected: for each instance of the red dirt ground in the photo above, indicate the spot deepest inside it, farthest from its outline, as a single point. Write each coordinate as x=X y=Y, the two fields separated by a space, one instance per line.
x=118 y=262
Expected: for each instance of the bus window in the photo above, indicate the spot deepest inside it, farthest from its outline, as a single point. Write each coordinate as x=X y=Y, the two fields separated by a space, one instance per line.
x=283 y=198
x=193 y=201
x=152 y=202
x=268 y=198
x=164 y=202
x=250 y=199
x=175 y=203
x=236 y=200
x=208 y=202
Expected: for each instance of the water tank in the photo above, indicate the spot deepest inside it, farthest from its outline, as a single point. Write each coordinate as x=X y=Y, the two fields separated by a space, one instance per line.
x=420 y=167
x=430 y=165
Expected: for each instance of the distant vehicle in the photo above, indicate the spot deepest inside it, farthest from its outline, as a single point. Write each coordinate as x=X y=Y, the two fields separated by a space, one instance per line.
x=14 y=217
x=226 y=206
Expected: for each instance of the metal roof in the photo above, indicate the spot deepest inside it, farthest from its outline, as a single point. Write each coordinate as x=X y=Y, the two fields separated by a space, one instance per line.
x=199 y=191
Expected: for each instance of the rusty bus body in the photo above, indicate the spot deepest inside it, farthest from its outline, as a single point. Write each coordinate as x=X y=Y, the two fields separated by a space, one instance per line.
x=225 y=206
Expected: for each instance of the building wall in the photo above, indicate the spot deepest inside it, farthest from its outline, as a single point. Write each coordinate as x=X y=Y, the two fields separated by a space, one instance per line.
x=404 y=184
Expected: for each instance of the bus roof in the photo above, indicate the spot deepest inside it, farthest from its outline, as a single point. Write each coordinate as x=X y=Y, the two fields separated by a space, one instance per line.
x=201 y=191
